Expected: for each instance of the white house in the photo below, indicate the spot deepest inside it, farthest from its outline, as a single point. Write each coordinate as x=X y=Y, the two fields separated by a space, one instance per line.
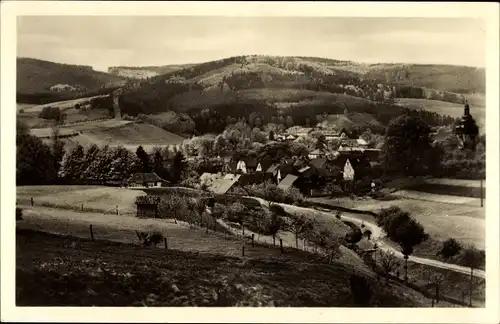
x=258 y=168
x=348 y=170
x=241 y=166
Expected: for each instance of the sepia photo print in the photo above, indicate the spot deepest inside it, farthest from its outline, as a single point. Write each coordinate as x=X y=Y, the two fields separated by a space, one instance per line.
x=250 y=161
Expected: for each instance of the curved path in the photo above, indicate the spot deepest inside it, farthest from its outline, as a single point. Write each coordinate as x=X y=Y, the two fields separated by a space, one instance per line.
x=378 y=234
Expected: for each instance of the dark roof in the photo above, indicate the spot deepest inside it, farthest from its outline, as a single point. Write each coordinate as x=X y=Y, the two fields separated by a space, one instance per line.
x=250 y=162
x=146 y=177
x=318 y=163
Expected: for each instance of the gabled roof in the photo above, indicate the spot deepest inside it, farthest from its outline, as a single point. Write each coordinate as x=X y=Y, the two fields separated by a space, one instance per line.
x=146 y=177
x=286 y=183
x=318 y=163
x=273 y=168
x=217 y=184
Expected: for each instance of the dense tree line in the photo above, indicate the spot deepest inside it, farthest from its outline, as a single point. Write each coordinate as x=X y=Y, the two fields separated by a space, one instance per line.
x=37 y=163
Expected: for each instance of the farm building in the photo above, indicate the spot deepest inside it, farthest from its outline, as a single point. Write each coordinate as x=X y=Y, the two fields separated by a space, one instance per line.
x=146 y=180
x=147 y=206
x=354 y=166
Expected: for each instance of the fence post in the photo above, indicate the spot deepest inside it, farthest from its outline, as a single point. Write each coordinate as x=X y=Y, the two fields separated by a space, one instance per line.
x=91 y=233
x=242 y=250
x=82 y=207
x=32 y=202
x=253 y=235
x=165 y=241
x=281 y=246
x=331 y=258
x=116 y=209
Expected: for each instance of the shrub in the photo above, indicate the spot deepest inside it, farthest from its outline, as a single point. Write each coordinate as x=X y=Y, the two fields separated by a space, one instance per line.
x=149 y=238
x=19 y=214
x=338 y=214
x=450 y=248
x=21 y=111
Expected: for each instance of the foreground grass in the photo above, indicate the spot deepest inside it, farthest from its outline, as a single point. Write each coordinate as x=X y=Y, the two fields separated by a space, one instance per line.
x=55 y=271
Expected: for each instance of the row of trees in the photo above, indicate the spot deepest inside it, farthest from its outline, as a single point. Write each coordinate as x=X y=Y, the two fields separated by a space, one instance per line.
x=115 y=164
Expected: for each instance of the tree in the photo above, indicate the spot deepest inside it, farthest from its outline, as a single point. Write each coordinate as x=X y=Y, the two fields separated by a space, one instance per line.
x=159 y=164
x=236 y=213
x=271 y=135
x=402 y=229
x=35 y=161
x=289 y=121
x=407 y=148
x=276 y=221
x=299 y=225
x=321 y=142
x=450 y=248
x=389 y=262
x=177 y=168
x=472 y=258
x=144 y=159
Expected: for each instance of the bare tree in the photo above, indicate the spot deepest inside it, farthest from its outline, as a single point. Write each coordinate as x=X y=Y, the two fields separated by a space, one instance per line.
x=299 y=225
x=389 y=262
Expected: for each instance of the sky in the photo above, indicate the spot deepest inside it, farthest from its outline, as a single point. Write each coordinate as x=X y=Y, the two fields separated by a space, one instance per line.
x=104 y=41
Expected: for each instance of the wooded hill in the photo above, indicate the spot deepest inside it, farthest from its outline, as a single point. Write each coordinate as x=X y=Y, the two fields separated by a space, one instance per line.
x=35 y=78
x=213 y=93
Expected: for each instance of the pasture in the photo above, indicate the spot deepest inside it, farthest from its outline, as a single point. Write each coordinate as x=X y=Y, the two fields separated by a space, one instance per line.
x=93 y=198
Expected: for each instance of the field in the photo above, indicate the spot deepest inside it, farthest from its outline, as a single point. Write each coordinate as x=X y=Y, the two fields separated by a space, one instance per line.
x=477 y=110
x=62 y=105
x=441 y=220
x=114 y=132
x=93 y=198
x=113 y=274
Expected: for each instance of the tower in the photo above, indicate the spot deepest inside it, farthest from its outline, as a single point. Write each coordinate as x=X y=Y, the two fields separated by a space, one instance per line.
x=467 y=129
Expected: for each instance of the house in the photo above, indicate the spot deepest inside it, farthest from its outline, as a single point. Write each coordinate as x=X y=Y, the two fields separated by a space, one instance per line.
x=287 y=183
x=241 y=166
x=353 y=166
x=318 y=153
x=350 y=145
x=217 y=183
x=146 y=180
x=331 y=134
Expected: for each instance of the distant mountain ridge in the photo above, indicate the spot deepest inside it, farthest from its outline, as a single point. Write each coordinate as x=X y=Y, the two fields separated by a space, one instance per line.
x=142 y=72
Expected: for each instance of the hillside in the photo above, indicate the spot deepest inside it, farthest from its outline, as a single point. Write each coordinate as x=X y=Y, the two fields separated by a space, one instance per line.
x=145 y=71
x=113 y=132
x=275 y=88
x=43 y=79
x=127 y=275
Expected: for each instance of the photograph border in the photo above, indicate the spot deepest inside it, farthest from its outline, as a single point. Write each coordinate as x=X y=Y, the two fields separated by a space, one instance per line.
x=9 y=312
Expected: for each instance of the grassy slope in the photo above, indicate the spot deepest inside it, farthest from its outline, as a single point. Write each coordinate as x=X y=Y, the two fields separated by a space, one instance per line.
x=35 y=76
x=111 y=274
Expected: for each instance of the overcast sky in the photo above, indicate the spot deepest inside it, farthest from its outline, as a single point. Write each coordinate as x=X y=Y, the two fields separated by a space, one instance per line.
x=103 y=41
